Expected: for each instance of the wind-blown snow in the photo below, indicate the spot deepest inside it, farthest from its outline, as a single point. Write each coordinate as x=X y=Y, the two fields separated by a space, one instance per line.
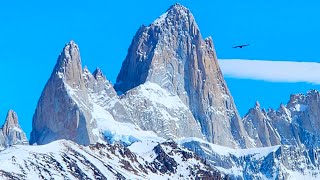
x=274 y=71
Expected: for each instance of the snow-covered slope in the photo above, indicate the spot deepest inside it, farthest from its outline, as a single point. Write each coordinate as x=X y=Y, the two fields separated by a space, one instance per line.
x=154 y=108
x=274 y=162
x=67 y=160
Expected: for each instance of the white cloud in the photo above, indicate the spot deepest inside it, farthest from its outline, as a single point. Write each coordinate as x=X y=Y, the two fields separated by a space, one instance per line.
x=274 y=71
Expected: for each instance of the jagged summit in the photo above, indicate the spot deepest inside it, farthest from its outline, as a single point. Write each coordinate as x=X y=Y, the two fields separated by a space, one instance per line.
x=11 y=132
x=68 y=66
x=11 y=119
x=171 y=53
x=69 y=54
x=257 y=105
x=63 y=109
x=295 y=123
x=176 y=13
x=97 y=74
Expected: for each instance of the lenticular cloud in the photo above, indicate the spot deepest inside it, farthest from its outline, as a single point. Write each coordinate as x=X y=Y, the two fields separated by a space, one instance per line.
x=274 y=71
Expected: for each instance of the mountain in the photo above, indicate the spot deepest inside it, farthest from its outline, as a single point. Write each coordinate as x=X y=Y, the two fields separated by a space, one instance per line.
x=295 y=124
x=67 y=160
x=11 y=133
x=168 y=116
x=171 y=53
x=63 y=110
x=259 y=128
x=274 y=162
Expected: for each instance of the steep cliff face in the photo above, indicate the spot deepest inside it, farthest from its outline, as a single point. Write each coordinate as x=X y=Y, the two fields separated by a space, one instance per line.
x=171 y=52
x=63 y=111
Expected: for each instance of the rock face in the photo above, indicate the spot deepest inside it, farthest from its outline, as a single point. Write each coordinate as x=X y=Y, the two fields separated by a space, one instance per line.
x=75 y=104
x=11 y=132
x=259 y=127
x=102 y=93
x=171 y=52
x=296 y=123
x=63 y=111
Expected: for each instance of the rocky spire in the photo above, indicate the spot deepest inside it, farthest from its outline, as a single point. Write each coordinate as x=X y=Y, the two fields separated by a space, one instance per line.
x=259 y=128
x=171 y=53
x=11 y=121
x=97 y=74
x=63 y=110
x=68 y=66
x=257 y=105
x=12 y=132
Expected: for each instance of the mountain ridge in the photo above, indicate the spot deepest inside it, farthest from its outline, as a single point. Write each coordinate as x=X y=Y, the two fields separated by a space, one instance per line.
x=169 y=115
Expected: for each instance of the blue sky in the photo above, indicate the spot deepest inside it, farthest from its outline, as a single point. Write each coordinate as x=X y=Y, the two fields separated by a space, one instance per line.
x=33 y=33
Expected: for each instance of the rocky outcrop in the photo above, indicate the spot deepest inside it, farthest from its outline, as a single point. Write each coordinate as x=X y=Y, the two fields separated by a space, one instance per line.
x=102 y=93
x=171 y=52
x=275 y=162
x=11 y=132
x=63 y=111
x=259 y=127
x=293 y=124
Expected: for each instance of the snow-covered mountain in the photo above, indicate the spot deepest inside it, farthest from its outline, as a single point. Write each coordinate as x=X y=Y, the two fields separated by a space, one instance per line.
x=169 y=115
x=67 y=160
x=273 y=162
x=11 y=132
x=296 y=123
x=171 y=53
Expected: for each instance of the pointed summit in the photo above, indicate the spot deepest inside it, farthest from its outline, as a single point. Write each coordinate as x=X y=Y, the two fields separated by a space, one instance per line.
x=175 y=13
x=171 y=53
x=70 y=54
x=68 y=66
x=257 y=105
x=63 y=108
x=97 y=74
x=11 y=121
x=12 y=132
x=177 y=20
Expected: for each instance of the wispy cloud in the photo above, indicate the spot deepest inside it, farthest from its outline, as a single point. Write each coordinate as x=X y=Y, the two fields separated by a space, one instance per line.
x=274 y=71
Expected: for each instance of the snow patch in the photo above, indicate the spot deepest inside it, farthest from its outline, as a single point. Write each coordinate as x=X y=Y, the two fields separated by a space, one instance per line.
x=160 y=19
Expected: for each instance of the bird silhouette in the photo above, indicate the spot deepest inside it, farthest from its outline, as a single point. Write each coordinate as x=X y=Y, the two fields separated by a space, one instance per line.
x=241 y=46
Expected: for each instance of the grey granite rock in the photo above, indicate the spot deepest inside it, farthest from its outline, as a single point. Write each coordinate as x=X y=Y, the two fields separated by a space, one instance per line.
x=63 y=110
x=171 y=52
x=12 y=133
x=296 y=123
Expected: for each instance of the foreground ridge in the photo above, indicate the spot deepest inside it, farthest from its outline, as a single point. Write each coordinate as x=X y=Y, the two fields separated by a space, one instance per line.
x=65 y=159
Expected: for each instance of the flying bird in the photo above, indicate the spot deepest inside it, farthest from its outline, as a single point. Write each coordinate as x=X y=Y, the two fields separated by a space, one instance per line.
x=241 y=46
